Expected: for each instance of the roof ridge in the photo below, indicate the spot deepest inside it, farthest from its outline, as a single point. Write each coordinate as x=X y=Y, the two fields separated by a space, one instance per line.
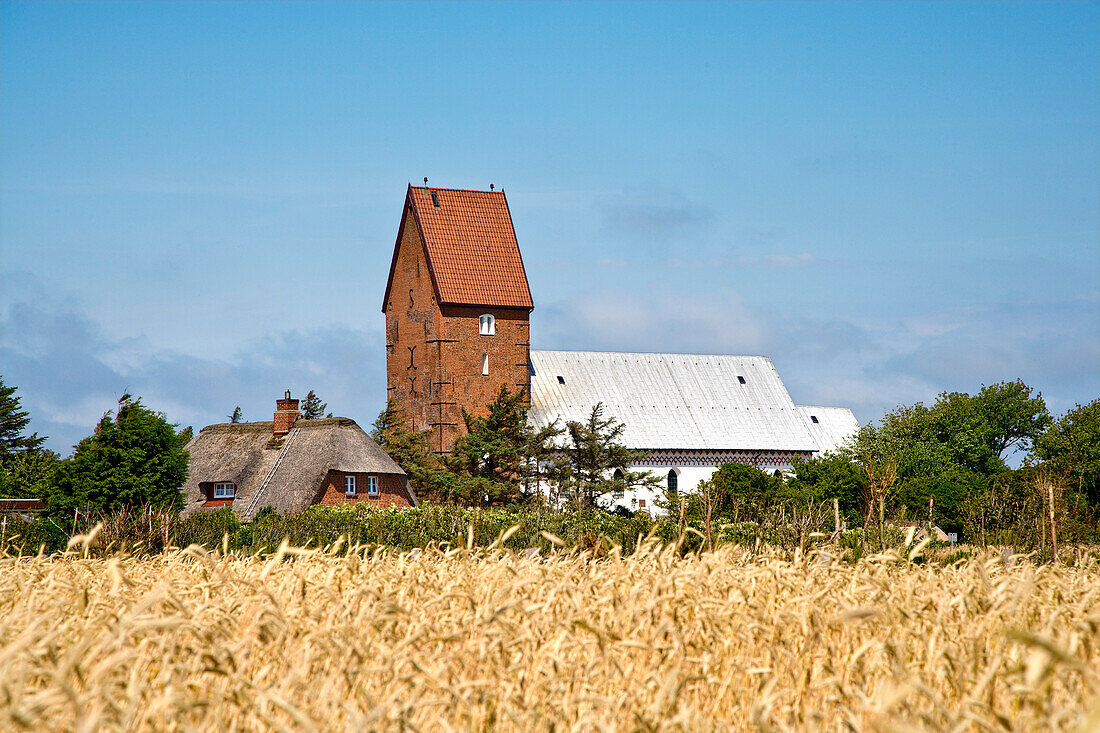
x=648 y=353
x=445 y=188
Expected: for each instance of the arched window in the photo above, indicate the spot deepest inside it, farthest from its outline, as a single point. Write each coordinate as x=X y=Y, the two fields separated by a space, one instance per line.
x=673 y=480
x=487 y=325
x=778 y=473
x=618 y=475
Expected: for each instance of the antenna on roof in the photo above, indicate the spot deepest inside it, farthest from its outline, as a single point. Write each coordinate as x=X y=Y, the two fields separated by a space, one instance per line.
x=425 y=180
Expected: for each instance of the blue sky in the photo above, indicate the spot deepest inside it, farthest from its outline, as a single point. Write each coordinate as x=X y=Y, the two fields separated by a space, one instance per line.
x=198 y=202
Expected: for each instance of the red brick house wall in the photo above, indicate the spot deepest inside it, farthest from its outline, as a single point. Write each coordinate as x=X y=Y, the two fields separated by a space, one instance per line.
x=392 y=490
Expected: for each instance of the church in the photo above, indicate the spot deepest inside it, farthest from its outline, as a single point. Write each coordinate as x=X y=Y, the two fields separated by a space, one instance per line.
x=458 y=328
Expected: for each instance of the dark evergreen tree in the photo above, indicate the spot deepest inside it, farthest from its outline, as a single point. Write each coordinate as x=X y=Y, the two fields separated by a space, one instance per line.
x=597 y=463
x=503 y=449
x=313 y=408
x=134 y=458
x=236 y=417
x=13 y=424
x=409 y=449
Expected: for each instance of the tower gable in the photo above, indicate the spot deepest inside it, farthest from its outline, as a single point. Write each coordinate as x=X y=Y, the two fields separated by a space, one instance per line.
x=470 y=245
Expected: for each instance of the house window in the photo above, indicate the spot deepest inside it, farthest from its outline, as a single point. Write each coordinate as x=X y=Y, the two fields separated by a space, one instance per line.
x=225 y=491
x=641 y=503
x=672 y=481
x=372 y=485
x=814 y=418
x=561 y=379
x=487 y=325
x=618 y=476
x=349 y=485
x=485 y=364
x=740 y=380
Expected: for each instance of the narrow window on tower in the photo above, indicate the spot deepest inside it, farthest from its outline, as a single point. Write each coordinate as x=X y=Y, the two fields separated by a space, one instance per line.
x=485 y=364
x=487 y=325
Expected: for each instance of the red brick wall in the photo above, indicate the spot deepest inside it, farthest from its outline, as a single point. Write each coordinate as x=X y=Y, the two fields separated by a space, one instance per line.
x=391 y=490
x=286 y=412
x=412 y=318
x=461 y=360
x=434 y=356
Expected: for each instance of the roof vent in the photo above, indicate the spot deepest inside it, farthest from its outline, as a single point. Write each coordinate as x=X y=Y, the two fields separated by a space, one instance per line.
x=741 y=379
x=561 y=379
x=814 y=418
x=435 y=199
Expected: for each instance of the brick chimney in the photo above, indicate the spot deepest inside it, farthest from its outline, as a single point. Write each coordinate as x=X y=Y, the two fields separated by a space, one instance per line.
x=286 y=412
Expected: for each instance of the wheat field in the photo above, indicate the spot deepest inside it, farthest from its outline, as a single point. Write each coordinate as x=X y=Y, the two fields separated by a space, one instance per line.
x=494 y=640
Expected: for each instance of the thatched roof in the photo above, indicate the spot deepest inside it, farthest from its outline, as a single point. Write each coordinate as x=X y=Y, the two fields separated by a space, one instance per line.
x=285 y=473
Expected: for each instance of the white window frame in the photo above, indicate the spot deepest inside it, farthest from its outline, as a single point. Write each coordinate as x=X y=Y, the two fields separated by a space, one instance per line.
x=349 y=486
x=225 y=490
x=485 y=365
x=487 y=325
x=372 y=486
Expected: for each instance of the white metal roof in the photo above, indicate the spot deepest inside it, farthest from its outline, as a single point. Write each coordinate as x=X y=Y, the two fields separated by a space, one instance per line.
x=834 y=426
x=670 y=401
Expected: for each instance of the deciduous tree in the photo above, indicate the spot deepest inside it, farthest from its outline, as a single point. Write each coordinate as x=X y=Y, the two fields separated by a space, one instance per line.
x=1072 y=447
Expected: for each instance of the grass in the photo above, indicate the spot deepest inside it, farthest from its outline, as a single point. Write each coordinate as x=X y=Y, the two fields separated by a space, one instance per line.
x=492 y=639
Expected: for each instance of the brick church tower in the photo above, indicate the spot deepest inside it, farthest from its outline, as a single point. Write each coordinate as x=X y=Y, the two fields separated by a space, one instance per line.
x=457 y=309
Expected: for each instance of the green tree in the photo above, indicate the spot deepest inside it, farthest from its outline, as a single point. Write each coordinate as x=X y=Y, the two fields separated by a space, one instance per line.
x=503 y=448
x=828 y=477
x=13 y=424
x=134 y=458
x=313 y=408
x=29 y=474
x=1072 y=448
x=939 y=451
x=410 y=449
x=597 y=463
x=26 y=469
x=979 y=429
x=743 y=492
x=236 y=417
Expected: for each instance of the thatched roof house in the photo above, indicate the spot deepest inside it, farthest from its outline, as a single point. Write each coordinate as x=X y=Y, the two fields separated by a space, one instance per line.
x=289 y=464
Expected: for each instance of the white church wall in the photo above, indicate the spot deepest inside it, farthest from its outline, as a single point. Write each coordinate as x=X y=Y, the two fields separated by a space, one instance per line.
x=691 y=467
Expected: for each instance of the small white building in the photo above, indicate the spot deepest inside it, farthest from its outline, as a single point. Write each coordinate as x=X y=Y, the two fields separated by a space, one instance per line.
x=689 y=413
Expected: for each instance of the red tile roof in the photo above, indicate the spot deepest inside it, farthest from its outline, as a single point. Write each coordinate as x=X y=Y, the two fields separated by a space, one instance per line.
x=473 y=254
